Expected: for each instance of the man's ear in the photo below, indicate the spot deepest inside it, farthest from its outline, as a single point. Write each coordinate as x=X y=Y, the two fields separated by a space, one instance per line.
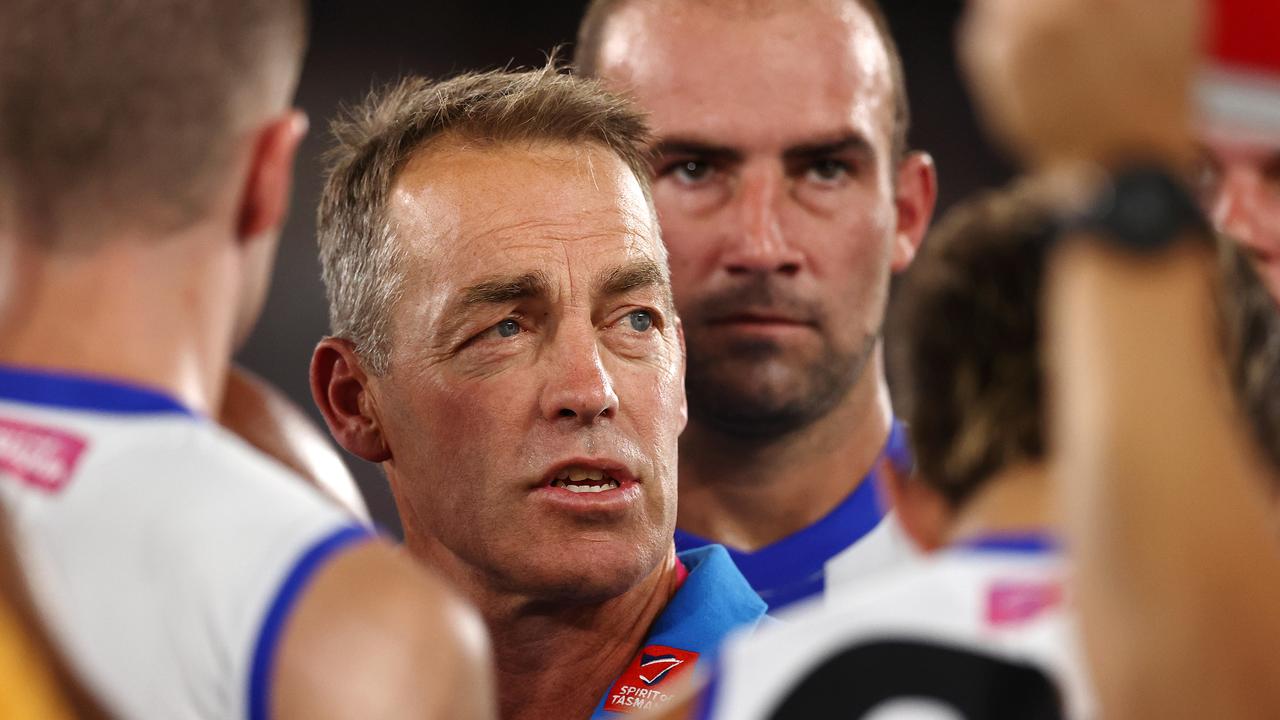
x=264 y=202
x=340 y=388
x=924 y=513
x=916 y=196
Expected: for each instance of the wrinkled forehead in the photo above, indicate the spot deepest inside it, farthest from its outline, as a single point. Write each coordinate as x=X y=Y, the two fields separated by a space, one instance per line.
x=756 y=71
x=464 y=210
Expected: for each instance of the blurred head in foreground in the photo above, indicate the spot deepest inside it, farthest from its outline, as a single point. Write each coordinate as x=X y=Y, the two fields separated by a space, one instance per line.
x=138 y=123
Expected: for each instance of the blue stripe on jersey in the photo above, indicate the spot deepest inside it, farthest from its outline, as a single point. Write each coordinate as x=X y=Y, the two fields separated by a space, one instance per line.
x=792 y=569
x=79 y=392
x=1032 y=542
x=264 y=651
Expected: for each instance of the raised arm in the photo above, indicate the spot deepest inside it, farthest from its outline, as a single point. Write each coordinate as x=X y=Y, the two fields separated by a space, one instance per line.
x=1178 y=575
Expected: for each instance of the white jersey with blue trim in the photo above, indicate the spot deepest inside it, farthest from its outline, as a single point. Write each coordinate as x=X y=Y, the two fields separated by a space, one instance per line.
x=981 y=630
x=163 y=553
x=853 y=543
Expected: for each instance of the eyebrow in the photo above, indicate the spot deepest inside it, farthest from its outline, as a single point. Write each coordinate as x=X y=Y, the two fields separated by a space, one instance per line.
x=620 y=280
x=498 y=291
x=682 y=146
x=854 y=142
x=851 y=141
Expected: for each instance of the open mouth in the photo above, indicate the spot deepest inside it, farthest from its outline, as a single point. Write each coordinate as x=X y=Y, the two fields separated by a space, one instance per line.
x=584 y=480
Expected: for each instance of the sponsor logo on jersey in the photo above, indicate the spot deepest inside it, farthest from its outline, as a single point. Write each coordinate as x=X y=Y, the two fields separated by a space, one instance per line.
x=41 y=457
x=638 y=686
x=1014 y=602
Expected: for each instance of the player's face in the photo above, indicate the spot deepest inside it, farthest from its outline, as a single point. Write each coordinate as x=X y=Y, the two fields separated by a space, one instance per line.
x=535 y=394
x=774 y=185
x=1240 y=186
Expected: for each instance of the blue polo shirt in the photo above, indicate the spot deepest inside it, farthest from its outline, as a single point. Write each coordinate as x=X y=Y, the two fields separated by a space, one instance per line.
x=713 y=601
x=794 y=568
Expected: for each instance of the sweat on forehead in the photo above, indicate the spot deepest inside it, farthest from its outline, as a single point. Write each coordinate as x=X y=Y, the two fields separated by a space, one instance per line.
x=597 y=28
x=458 y=190
x=542 y=221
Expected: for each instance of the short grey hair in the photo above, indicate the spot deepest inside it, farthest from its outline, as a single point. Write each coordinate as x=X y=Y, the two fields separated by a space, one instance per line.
x=374 y=140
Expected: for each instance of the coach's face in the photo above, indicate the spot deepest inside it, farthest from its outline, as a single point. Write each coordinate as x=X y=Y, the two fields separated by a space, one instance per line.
x=775 y=185
x=1240 y=188
x=535 y=394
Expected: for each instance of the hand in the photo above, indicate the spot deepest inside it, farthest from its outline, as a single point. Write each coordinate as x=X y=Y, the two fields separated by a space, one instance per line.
x=1101 y=81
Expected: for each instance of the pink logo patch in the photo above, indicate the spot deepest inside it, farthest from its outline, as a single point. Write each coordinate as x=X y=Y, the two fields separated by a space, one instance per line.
x=39 y=456
x=1018 y=602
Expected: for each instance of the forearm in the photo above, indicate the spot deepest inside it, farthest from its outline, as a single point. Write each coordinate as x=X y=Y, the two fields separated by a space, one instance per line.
x=1177 y=572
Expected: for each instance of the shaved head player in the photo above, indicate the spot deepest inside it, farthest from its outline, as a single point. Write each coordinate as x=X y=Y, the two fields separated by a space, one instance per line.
x=146 y=153
x=787 y=198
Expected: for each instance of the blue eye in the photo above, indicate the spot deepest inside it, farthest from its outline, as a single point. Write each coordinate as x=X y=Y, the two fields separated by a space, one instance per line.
x=641 y=320
x=507 y=328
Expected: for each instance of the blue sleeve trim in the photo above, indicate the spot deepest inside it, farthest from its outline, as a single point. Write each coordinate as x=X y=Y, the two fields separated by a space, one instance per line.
x=264 y=651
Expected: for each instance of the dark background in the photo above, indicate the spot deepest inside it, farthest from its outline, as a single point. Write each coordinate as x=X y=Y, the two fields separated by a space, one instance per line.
x=355 y=45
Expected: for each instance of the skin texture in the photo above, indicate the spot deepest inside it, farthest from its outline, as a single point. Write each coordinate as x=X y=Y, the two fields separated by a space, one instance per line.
x=266 y=419
x=176 y=333
x=785 y=215
x=485 y=399
x=1239 y=184
x=1162 y=489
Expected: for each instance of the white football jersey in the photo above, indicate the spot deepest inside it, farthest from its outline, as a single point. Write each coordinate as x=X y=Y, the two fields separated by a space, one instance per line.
x=163 y=553
x=981 y=630
x=856 y=541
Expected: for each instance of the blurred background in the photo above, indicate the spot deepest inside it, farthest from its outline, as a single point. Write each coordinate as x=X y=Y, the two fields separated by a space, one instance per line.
x=356 y=45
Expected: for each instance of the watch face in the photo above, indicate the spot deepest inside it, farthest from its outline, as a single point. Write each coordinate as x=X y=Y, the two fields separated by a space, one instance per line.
x=1148 y=210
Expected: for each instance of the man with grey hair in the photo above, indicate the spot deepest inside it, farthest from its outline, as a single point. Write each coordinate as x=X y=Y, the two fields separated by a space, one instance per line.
x=505 y=346
x=787 y=198
x=146 y=152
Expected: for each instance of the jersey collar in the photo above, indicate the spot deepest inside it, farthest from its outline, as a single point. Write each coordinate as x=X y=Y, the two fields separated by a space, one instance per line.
x=1030 y=542
x=70 y=391
x=713 y=601
x=791 y=569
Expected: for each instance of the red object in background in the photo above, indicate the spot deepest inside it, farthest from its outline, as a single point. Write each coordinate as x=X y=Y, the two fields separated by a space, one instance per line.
x=1245 y=34
x=1239 y=90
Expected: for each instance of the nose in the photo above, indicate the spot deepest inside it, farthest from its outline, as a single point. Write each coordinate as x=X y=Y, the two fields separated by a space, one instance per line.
x=1235 y=208
x=756 y=242
x=579 y=388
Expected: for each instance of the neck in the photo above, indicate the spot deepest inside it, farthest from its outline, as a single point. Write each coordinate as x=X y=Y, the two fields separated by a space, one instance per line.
x=1015 y=500
x=152 y=312
x=750 y=492
x=555 y=658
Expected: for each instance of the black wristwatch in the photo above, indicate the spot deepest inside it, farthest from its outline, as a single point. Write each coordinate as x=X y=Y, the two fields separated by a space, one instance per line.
x=1143 y=209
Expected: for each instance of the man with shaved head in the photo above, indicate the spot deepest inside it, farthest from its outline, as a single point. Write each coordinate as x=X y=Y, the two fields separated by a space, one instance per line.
x=787 y=199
